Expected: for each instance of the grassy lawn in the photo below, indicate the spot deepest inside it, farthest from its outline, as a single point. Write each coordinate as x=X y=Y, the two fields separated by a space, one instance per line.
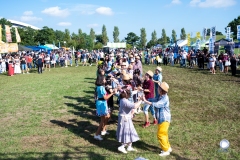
x=52 y=116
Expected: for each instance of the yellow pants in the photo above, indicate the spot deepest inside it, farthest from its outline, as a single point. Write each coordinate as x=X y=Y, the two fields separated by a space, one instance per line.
x=162 y=135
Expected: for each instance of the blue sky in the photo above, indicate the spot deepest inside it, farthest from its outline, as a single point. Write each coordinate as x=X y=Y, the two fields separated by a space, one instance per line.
x=129 y=16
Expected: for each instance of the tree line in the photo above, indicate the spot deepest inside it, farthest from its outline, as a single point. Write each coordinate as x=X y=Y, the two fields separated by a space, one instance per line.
x=46 y=35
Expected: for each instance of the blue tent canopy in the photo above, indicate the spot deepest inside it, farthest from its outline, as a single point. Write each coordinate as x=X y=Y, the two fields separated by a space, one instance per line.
x=39 y=48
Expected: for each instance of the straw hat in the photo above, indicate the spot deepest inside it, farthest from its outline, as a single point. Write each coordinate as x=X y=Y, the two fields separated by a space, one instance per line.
x=137 y=57
x=130 y=66
x=131 y=56
x=164 y=86
x=159 y=69
x=150 y=73
x=126 y=77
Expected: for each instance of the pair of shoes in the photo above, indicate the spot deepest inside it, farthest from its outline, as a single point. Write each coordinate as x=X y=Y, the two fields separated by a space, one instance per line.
x=155 y=122
x=122 y=149
x=164 y=153
x=103 y=133
x=147 y=124
x=98 y=137
x=131 y=149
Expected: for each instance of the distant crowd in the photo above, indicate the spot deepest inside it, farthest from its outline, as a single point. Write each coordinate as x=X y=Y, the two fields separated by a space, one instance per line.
x=23 y=62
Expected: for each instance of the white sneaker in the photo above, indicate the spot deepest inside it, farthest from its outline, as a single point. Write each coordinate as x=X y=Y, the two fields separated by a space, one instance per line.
x=170 y=149
x=122 y=149
x=163 y=153
x=103 y=133
x=98 y=137
x=131 y=149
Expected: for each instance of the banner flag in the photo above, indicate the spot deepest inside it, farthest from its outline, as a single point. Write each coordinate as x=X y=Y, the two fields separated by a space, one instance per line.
x=8 y=47
x=211 y=45
x=228 y=35
x=0 y=33
x=189 y=39
x=213 y=30
x=8 y=34
x=198 y=35
x=204 y=33
x=238 y=32
x=18 y=38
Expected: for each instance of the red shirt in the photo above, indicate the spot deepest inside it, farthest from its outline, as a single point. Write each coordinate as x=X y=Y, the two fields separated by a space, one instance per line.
x=150 y=86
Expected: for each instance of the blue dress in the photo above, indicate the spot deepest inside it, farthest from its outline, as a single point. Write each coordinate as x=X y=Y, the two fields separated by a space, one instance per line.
x=157 y=77
x=101 y=105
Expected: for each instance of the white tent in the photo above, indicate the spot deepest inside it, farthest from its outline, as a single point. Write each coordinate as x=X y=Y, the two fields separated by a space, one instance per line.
x=116 y=45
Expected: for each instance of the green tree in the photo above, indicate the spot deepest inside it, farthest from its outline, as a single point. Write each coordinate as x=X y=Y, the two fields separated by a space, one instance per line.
x=183 y=35
x=4 y=22
x=104 y=35
x=150 y=44
x=67 y=37
x=116 y=34
x=98 y=45
x=59 y=38
x=45 y=35
x=28 y=36
x=132 y=38
x=154 y=37
x=143 y=38
x=174 y=36
x=93 y=36
x=233 y=24
x=99 y=39
x=164 y=37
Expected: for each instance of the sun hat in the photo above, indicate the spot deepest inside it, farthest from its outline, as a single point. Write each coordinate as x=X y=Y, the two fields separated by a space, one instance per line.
x=164 y=86
x=159 y=69
x=124 y=72
x=137 y=57
x=150 y=73
x=131 y=56
x=126 y=77
x=132 y=61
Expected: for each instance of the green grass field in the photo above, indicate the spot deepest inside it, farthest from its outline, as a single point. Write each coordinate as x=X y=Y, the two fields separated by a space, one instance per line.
x=52 y=116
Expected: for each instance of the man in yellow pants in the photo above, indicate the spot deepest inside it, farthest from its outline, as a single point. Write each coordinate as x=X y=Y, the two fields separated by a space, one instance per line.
x=163 y=115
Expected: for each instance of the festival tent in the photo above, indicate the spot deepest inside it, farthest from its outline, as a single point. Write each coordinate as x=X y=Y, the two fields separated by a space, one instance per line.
x=180 y=43
x=229 y=45
x=23 y=48
x=116 y=45
x=51 y=46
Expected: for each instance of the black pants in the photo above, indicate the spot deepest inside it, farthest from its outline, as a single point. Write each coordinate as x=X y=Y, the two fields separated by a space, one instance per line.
x=165 y=61
x=40 y=68
x=201 y=64
x=234 y=70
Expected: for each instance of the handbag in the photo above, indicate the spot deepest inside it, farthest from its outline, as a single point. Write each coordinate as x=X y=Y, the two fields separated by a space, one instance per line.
x=227 y=63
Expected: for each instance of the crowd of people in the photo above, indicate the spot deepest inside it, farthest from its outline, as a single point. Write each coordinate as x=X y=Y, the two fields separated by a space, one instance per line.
x=124 y=78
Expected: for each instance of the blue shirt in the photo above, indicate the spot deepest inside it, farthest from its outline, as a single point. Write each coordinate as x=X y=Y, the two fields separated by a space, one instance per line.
x=162 y=110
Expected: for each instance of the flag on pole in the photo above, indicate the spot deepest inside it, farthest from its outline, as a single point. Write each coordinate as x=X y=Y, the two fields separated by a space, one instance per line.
x=198 y=35
x=8 y=34
x=238 y=32
x=18 y=38
x=228 y=35
x=213 y=30
x=204 y=33
x=211 y=45
x=189 y=39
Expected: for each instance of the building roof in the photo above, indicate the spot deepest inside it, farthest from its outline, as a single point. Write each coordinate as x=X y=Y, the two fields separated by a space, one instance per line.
x=21 y=24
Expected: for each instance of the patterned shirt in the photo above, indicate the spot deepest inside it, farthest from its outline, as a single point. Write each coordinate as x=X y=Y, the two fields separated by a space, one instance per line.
x=162 y=110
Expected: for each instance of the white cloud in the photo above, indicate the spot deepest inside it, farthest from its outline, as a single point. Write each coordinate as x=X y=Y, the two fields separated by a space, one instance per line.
x=28 y=13
x=104 y=11
x=64 y=24
x=86 y=9
x=30 y=19
x=56 y=11
x=212 y=3
x=176 y=2
x=94 y=25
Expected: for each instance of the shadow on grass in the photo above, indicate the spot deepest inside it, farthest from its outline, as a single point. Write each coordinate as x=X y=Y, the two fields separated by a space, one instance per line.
x=177 y=157
x=52 y=155
x=85 y=129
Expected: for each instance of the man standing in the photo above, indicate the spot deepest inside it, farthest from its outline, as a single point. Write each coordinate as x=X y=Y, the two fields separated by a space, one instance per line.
x=138 y=64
